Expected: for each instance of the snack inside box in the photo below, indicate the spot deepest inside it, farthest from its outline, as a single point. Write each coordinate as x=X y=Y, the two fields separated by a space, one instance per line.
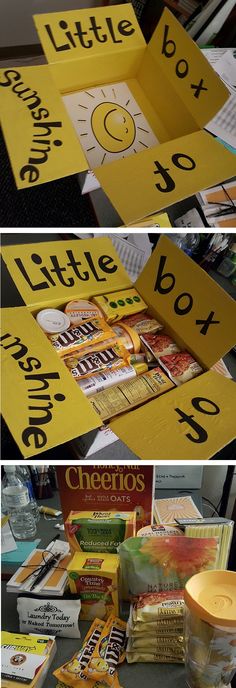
x=172 y=296
x=132 y=112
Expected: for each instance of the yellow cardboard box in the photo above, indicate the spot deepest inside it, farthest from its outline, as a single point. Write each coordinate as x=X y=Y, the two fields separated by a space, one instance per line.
x=41 y=402
x=132 y=112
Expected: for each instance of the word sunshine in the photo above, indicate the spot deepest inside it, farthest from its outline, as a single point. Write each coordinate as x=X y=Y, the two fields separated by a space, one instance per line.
x=43 y=132
x=40 y=406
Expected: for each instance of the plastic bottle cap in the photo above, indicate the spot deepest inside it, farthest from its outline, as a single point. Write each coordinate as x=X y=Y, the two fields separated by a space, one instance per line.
x=10 y=469
x=210 y=595
x=52 y=320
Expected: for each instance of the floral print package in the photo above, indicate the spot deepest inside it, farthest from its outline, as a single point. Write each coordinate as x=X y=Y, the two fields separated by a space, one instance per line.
x=151 y=564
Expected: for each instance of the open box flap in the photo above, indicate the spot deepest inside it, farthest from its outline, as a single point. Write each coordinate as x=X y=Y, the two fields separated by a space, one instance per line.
x=193 y=421
x=71 y=34
x=32 y=112
x=188 y=300
x=188 y=71
x=87 y=267
x=154 y=179
x=41 y=403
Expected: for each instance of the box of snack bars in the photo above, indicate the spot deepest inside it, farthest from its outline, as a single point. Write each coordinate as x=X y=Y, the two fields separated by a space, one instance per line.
x=133 y=113
x=99 y=531
x=162 y=404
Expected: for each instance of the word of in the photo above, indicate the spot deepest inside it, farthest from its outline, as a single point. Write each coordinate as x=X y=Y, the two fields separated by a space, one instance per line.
x=198 y=403
x=180 y=160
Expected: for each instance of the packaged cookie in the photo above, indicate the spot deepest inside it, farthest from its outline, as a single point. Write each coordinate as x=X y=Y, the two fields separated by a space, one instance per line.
x=153 y=606
x=157 y=658
x=180 y=367
x=159 y=344
x=79 y=337
x=143 y=323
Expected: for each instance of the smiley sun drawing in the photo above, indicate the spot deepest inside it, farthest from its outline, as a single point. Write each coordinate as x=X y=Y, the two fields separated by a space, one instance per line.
x=109 y=123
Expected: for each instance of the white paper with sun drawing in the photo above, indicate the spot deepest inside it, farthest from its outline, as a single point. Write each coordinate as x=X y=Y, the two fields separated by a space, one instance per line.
x=109 y=123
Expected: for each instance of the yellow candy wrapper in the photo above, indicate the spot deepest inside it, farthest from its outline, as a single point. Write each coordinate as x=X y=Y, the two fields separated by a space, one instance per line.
x=109 y=652
x=82 y=365
x=81 y=336
x=72 y=673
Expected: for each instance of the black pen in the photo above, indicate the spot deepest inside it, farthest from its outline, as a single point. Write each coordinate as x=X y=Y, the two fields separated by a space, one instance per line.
x=45 y=569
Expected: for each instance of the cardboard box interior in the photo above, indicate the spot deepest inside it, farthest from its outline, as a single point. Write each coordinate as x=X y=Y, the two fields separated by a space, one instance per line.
x=192 y=421
x=169 y=80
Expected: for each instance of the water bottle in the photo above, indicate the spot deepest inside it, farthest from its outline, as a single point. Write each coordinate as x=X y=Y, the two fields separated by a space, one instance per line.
x=17 y=504
x=187 y=242
x=23 y=473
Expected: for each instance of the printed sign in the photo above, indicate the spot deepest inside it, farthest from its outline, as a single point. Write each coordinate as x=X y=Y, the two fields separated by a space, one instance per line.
x=191 y=303
x=41 y=403
x=60 y=270
x=191 y=422
x=109 y=123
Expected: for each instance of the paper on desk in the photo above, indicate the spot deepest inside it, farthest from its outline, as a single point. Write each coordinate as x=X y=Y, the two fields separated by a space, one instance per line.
x=219 y=204
x=8 y=543
x=223 y=124
x=22 y=550
x=133 y=251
